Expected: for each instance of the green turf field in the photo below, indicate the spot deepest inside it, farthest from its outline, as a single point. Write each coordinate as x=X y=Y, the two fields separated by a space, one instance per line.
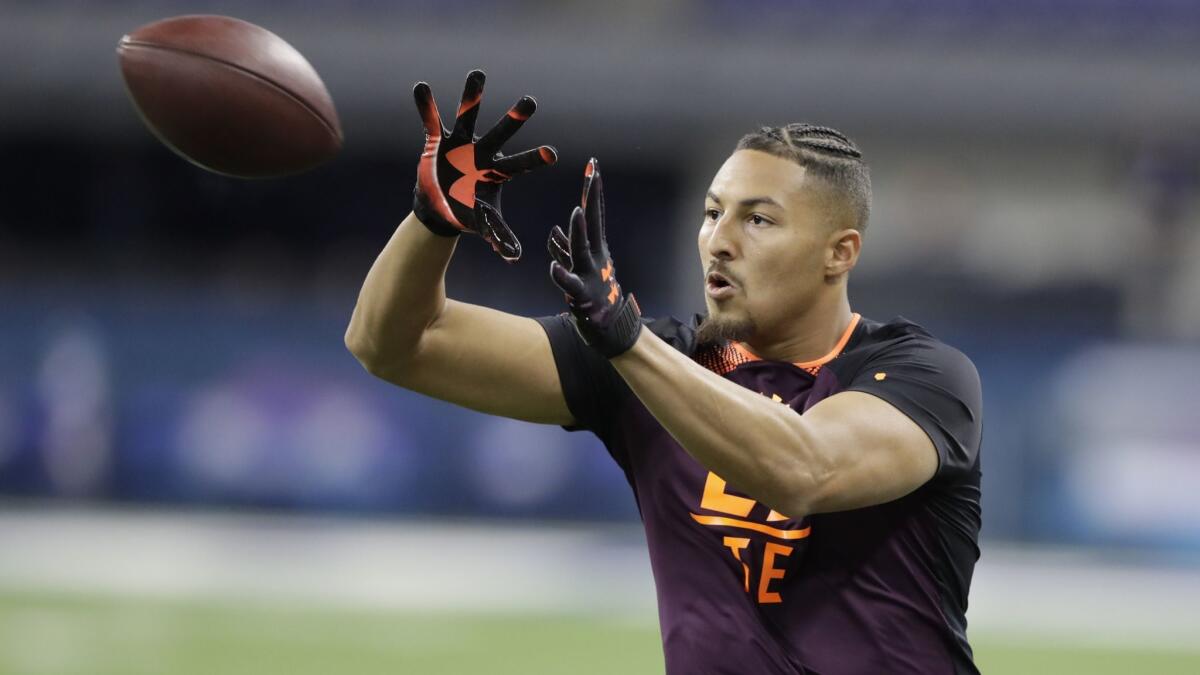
x=99 y=635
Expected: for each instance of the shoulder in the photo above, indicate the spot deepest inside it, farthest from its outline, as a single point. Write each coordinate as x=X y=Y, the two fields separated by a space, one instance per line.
x=678 y=333
x=932 y=383
x=872 y=334
x=900 y=343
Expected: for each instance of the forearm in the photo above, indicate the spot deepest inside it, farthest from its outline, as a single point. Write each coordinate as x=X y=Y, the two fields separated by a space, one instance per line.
x=756 y=444
x=403 y=294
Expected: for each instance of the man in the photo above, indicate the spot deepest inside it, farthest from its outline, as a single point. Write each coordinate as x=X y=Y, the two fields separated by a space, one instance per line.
x=839 y=540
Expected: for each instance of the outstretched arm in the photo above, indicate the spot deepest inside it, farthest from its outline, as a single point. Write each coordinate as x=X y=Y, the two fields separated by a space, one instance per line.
x=405 y=330
x=848 y=451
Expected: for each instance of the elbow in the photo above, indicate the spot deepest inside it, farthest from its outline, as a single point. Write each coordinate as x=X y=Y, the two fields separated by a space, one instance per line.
x=361 y=348
x=805 y=494
x=391 y=365
x=365 y=351
x=808 y=487
x=386 y=357
x=812 y=497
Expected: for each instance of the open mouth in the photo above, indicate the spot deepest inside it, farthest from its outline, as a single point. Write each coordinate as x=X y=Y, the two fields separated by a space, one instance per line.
x=718 y=285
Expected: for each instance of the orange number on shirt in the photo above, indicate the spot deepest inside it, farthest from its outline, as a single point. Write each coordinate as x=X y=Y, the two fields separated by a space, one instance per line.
x=716 y=498
x=770 y=572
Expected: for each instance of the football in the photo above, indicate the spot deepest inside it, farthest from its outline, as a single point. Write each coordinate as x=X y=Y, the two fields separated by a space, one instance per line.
x=229 y=96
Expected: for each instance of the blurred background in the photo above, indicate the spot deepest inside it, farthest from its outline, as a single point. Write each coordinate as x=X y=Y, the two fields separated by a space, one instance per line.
x=196 y=476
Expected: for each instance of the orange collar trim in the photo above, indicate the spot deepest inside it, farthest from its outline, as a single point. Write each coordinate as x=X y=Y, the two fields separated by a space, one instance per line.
x=816 y=363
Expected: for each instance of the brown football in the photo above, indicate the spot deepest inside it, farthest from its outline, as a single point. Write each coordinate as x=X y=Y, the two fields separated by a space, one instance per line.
x=229 y=96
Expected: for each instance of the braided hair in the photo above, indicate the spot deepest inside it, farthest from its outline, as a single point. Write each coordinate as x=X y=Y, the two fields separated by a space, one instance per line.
x=827 y=154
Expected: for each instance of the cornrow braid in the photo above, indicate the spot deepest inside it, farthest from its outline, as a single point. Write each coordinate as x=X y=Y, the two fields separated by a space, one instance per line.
x=821 y=139
x=826 y=153
x=799 y=129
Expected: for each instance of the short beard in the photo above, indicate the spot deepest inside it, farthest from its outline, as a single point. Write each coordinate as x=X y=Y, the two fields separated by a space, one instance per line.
x=715 y=330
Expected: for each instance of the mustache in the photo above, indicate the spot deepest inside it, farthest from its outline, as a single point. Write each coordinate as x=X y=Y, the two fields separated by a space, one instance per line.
x=719 y=268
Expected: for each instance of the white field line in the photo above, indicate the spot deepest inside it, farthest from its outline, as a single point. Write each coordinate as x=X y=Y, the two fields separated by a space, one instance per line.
x=1018 y=594
x=369 y=564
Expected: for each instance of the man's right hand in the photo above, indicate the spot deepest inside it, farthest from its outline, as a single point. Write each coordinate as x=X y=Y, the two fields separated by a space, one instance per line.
x=460 y=174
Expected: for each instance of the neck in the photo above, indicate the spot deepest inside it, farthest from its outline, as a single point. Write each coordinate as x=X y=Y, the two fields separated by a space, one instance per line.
x=810 y=336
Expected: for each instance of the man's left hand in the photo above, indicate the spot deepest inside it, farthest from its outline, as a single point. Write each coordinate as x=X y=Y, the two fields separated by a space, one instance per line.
x=583 y=269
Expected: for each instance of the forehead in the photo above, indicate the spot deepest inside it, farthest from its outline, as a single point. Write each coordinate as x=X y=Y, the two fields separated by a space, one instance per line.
x=752 y=173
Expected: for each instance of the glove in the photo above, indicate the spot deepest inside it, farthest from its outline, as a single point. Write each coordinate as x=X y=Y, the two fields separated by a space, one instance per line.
x=459 y=175
x=583 y=269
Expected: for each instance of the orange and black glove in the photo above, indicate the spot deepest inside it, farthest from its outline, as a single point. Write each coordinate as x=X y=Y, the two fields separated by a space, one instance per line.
x=460 y=174
x=583 y=269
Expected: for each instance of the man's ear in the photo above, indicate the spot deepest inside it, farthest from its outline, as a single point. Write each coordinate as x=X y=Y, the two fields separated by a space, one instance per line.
x=841 y=251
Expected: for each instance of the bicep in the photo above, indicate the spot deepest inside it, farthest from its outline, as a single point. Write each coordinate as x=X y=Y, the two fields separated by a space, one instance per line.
x=487 y=360
x=875 y=453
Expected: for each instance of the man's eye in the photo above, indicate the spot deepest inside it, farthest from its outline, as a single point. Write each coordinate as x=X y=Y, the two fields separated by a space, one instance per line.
x=758 y=220
x=711 y=214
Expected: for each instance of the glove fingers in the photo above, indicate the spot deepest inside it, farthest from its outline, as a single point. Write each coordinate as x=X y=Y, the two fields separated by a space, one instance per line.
x=507 y=126
x=495 y=231
x=468 y=109
x=427 y=107
x=557 y=244
x=581 y=257
x=593 y=204
x=566 y=280
x=526 y=161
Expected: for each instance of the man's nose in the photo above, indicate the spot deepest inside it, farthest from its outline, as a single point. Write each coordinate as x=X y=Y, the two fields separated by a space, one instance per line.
x=722 y=242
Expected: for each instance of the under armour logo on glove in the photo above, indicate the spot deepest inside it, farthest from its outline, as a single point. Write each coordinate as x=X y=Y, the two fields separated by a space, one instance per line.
x=459 y=175
x=583 y=269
